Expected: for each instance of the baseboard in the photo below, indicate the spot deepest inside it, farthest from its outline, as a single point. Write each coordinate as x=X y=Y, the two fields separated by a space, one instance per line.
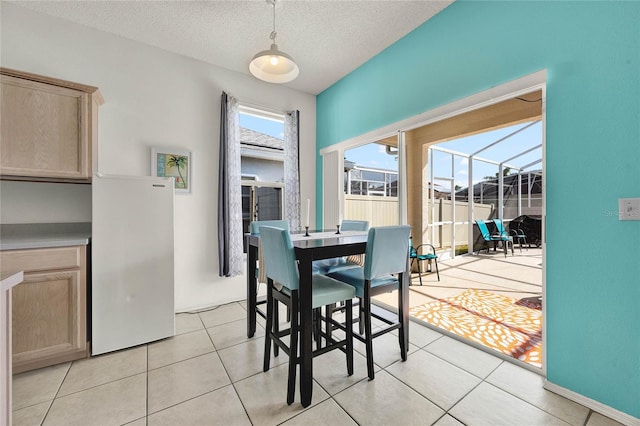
x=599 y=407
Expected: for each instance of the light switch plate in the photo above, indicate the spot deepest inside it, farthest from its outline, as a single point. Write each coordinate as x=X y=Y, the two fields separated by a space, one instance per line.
x=629 y=208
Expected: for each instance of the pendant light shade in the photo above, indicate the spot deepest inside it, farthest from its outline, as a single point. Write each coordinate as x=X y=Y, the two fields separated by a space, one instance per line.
x=273 y=65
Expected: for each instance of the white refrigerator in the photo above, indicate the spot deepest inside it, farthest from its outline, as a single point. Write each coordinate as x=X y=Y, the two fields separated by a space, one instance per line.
x=132 y=256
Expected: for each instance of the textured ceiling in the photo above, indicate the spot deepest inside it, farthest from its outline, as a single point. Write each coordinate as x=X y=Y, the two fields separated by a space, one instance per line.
x=327 y=38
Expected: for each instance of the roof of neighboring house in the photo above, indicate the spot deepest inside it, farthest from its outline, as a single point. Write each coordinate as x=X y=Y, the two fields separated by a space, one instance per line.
x=256 y=140
x=489 y=187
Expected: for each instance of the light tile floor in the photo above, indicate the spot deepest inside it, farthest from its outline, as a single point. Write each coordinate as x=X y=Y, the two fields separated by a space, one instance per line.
x=211 y=374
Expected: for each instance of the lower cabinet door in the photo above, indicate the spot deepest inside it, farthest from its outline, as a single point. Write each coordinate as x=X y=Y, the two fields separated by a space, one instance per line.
x=49 y=319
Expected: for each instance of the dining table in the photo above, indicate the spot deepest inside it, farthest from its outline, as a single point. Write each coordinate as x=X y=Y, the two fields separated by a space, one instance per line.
x=316 y=246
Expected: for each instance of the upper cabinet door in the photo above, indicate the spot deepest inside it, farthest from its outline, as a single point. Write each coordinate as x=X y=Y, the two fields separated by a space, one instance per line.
x=48 y=130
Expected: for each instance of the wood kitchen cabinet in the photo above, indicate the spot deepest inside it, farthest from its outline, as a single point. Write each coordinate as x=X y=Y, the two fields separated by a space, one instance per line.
x=48 y=128
x=49 y=306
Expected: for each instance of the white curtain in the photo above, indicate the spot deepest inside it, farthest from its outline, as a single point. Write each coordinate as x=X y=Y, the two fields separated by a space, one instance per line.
x=230 y=235
x=292 y=169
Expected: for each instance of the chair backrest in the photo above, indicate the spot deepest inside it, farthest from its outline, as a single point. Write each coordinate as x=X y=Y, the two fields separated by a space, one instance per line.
x=387 y=251
x=279 y=258
x=484 y=231
x=412 y=250
x=500 y=227
x=354 y=225
x=280 y=224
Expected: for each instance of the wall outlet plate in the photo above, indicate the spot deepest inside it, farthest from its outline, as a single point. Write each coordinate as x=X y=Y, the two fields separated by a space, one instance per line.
x=629 y=208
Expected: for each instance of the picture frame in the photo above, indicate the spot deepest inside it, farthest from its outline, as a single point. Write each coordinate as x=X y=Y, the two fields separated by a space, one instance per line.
x=173 y=162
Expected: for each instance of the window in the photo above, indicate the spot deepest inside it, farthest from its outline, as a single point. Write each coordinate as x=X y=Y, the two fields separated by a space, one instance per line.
x=372 y=182
x=262 y=165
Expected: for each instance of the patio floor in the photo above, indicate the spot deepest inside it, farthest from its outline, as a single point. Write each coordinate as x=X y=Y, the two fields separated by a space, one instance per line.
x=516 y=277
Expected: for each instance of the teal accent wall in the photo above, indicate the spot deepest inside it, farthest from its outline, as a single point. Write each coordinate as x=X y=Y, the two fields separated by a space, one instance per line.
x=591 y=51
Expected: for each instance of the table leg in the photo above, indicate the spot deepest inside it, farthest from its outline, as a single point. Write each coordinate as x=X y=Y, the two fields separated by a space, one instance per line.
x=252 y=257
x=306 y=330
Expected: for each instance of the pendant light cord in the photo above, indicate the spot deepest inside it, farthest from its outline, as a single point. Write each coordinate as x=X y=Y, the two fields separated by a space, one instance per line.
x=273 y=34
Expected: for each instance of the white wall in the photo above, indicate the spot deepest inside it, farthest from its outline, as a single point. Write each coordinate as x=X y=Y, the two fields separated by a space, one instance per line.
x=156 y=98
x=43 y=202
x=265 y=170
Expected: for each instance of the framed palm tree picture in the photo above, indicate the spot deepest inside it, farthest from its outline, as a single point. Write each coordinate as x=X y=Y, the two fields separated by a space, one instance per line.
x=175 y=163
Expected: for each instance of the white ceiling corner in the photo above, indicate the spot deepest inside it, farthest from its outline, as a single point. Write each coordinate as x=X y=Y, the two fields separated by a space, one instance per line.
x=327 y=38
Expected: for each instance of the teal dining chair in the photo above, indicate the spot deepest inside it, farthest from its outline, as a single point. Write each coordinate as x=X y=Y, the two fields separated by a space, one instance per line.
x=354 y=225
x=385 y=263
x=327 y=266
x=281 y=266
x=261 y=277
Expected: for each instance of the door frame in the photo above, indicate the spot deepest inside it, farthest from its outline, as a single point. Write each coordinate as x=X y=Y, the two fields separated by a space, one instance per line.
x=503 y=92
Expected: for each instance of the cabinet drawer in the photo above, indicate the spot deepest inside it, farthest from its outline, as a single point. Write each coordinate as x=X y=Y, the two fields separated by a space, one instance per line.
x=45 y=259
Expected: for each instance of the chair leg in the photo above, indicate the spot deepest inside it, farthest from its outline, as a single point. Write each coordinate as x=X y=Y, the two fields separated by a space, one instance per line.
x=401 y=334
x=366 y=301
x=318 y=327
x=328 y=326
x=349 y=325
x=419 y=272
x=267 y=338
x=361 y=318
x=411 y=271
x=293 y=348
x=276 y=324
x=437 y=271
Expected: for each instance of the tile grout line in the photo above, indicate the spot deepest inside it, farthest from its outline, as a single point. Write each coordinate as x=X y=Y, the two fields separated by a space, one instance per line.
x=343 y=409
x=196 y=396
x=231 y=382
x=56 y=394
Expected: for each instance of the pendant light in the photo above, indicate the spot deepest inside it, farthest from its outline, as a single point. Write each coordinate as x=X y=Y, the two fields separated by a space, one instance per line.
x=273 y=65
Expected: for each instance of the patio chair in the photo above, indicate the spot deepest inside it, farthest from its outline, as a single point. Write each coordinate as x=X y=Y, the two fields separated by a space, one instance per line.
x=416 y=255
x=385 y=263
x=520 y=237
x=503 y=234
x=282 y=266
x=494 y=238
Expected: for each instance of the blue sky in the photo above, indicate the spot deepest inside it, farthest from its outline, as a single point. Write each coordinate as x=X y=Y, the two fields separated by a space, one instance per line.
x=373 y=155
x=259 y=124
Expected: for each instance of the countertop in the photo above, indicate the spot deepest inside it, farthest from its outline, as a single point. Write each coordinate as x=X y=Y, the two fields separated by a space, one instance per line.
x=43 y=235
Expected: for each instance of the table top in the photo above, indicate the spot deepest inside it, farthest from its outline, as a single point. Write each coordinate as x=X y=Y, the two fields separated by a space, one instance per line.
x=320 y=238
x=324 y=244
x=328 y=238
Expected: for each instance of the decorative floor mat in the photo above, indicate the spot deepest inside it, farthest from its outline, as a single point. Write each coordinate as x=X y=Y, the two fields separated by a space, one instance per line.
x=490 y=319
